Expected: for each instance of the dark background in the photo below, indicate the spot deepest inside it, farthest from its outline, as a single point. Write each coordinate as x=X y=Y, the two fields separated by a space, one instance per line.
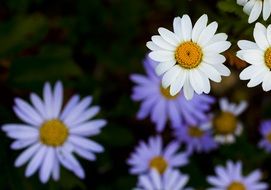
x=93 y=46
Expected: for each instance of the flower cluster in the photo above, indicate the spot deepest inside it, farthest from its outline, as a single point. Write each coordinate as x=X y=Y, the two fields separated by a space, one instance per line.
x=174 y=93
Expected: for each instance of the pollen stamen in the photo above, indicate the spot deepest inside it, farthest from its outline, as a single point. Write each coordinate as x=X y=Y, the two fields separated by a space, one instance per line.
x=53 y=133
x=225 y=123
x=236 y=186
x=267 y=58
x=159 y=163
x=188 y=55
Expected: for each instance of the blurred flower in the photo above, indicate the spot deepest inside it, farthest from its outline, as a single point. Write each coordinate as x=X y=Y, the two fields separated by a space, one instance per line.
x=196 y=50
x=254 y=8
x=265 y=131
x=259 y=56
x=197 y=138
x=152 y=156
x=158 y=103
x=51 y=136
x=169 y=180
x=225 y=123
x=231 y=178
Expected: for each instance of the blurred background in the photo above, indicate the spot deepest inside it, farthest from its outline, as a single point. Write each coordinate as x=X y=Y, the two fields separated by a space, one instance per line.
x=93 y=46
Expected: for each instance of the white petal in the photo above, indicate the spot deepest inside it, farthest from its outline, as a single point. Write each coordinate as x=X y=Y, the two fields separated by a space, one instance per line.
x=259 y=34
x=178 y=83
x=196 y=81
x=266 y=9
x=170 y=76
x=218 y=37
x=199 y=27
x=208 y=33
x=210 y=72
x=163 y=44
x=152 y=46
x=177 y=27
x=269 y=34
x=188 y=90
x=248 y=72
x=164 y=66
x=217 y=47
x=255 y=12
x=168 y=36
x=186 y=28
x=162 y=56
x=245 y=44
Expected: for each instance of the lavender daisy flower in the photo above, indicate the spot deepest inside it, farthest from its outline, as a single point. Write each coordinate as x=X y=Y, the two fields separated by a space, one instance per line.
x=197 y=138
x=169 y=180
x=161 y=106
x=265 y=131
x=231 y=178
x=151 y=155
x=51 y=136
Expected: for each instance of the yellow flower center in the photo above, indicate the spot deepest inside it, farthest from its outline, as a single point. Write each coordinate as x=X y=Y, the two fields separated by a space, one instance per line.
x=165 y=92
x=268 y=137
x=53 y=133
x=188 y=55
x=236 y=186
x=267 y=58
x=225 y=123
x=158 y=163
x=195 y=132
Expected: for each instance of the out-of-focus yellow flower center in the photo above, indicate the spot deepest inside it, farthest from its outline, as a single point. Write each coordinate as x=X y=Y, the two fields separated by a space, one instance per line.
x=267 y=58
x=195 y=132
x=268 y=137
x=159 y=163
x=188 y=55
x=53 y=133
x=236 y=186
x=165 y=92
x=225 y=123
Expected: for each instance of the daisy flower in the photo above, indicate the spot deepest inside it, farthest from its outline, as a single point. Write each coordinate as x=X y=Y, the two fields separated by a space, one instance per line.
x=151 y=155
x=169 y=180
x=189 y=56
x=161 y=106
x=225 y=123
x=51 y=136
x=254 y=8
x=197 y=138
x=231 y=178
x=265 y=131
x=259 y=56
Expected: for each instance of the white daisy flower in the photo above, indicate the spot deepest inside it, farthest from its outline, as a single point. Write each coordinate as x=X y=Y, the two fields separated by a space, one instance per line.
x=226 y=124
x=51 y=136
x=254 y=8
x=231 y=178
x=259 y=56
x=170 y=180
x=189 y=56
